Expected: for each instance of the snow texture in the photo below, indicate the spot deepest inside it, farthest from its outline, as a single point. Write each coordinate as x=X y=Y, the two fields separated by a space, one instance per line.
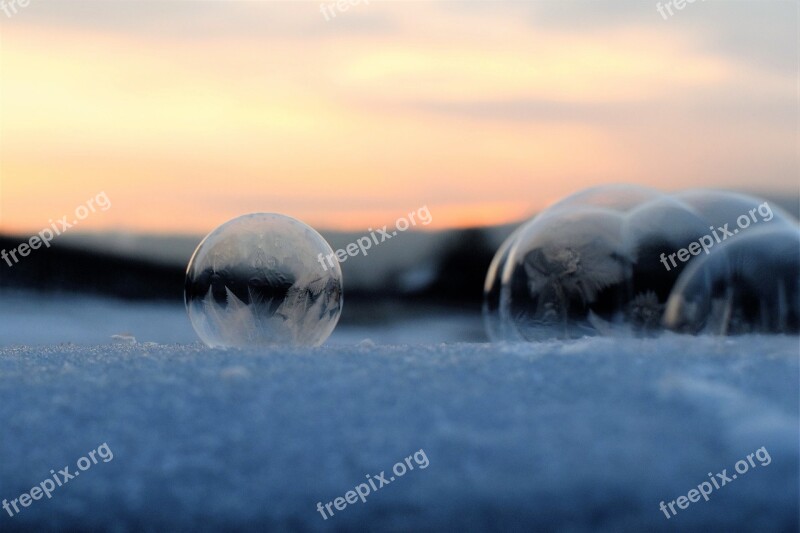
x=34 y=319
x=568 y=436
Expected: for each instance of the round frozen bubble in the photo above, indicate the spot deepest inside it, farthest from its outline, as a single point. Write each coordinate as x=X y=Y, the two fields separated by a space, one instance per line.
x=258 y=280
x=745 y=285
x=564 y=275
x=612 y=198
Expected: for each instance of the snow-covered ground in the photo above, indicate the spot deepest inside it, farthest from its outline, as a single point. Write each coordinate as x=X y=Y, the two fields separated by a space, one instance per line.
x=568 y=436
x=34 y=319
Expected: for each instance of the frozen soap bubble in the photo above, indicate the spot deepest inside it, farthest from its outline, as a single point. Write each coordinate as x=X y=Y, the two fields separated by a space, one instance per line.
x=563 y=273
x=566 y=272
x=745 y=285
x=257 y=281
x=498 y=321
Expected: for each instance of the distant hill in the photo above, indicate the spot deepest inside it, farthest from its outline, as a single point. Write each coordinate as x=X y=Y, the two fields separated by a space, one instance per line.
x=447 y=268
x=64 y=268
x=440 y=267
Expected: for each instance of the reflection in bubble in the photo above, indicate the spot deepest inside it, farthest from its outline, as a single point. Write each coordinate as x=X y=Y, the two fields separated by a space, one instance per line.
x=745 y=285
x=256 y=281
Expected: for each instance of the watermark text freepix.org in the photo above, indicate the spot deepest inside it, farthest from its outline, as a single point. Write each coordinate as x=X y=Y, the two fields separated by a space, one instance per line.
x=329 y=9
x=706 y=241
x=716 y=481
x=46 y=487
x=364 y=243
x=375 y=483
x=679 y=4
x=56 y=228
x=10 y=8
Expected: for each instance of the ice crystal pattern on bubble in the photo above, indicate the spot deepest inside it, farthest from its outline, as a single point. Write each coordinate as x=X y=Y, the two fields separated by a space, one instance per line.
x=256 y=281
x=592 y=264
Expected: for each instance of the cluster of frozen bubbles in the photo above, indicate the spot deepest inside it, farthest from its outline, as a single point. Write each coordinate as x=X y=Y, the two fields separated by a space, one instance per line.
x=623 y=259
x=611 y=259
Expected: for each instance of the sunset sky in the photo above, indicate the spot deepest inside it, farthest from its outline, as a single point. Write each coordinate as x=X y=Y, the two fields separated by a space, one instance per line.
x=188 y=113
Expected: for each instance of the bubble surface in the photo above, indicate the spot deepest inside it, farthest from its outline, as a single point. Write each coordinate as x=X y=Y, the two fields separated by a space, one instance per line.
x=651 y=232
x=497 y=329
x=563 y=273
x=566 y=273
x=745 y=285
x=726 y=207
x=615 y=197
x=258 y=280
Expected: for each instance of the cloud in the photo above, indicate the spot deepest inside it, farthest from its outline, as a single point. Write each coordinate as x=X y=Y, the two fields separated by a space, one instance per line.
x=762 y=32
x=203 y=20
